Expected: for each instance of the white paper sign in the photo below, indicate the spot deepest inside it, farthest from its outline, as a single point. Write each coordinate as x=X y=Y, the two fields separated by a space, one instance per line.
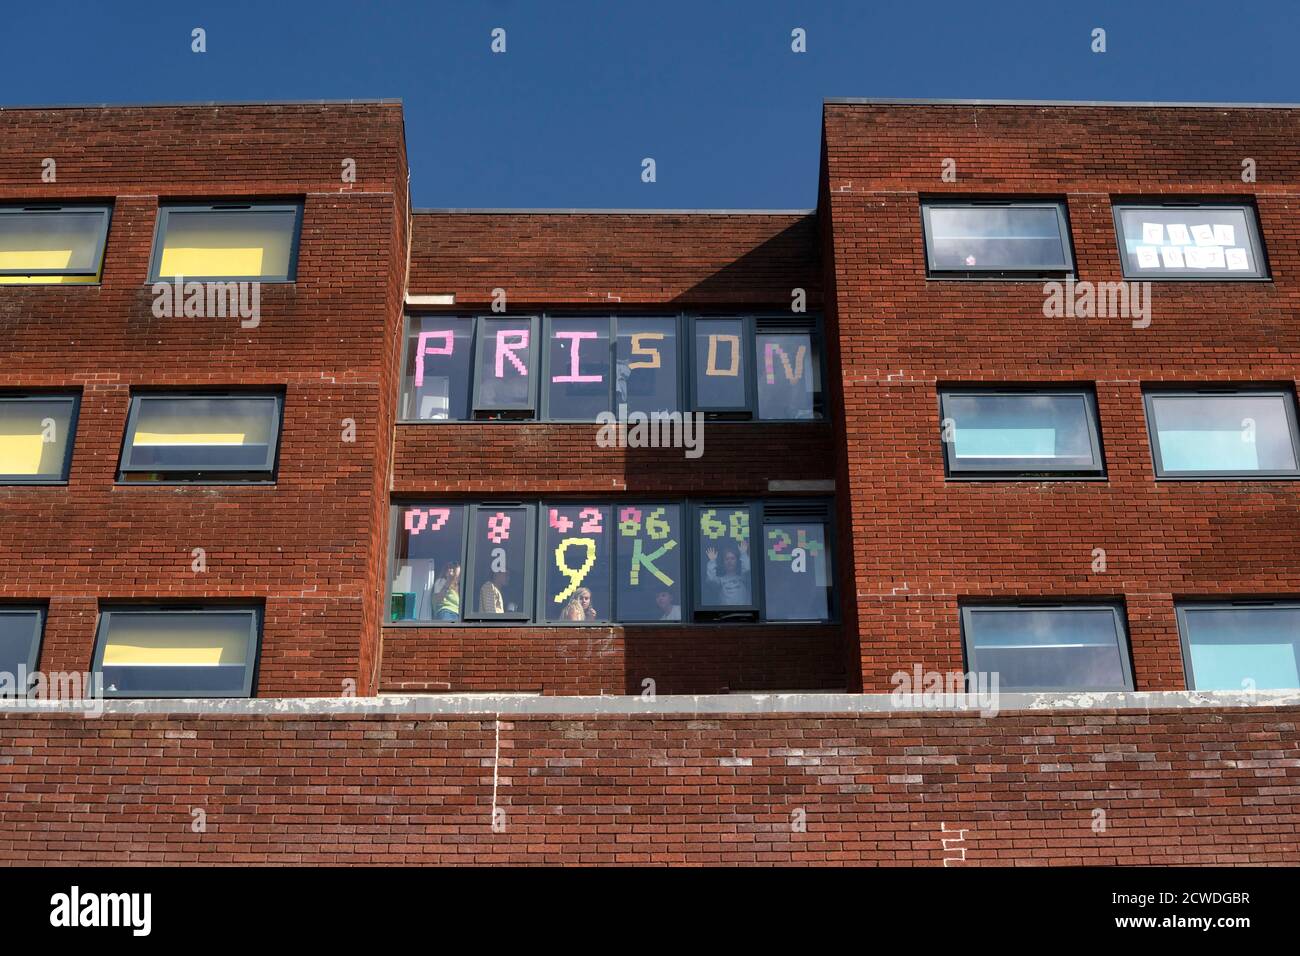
x=1203 y=233
x=1237 y=259
x=1153 y=233
x=1173 y=257
x=1178 y=234
x=1223 y=235
x=1147 y=257
x=1195 y=257
x=1214 y=257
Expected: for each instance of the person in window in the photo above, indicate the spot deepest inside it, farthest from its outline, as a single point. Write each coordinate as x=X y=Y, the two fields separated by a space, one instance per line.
x=733 y=582
x=579 y=607
x=490 y=597
x=669 y=610
x=446 y=600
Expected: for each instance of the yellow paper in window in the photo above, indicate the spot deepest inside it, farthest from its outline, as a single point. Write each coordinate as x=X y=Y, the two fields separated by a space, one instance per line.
x=190 y=438
x=161 y=644
x=227 y=245
x=21 y=454
x=193 y=261
x=48 y=280
x=35 y=259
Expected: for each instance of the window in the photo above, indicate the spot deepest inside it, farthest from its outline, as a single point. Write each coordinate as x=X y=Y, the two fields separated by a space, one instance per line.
x=996 y=239
x=1049 y=648
x=1011 y=433
x=1236 y=646
x=36 y=438
x=45 y=245
x=201 y=438
x=599 y=562
x=1189 y=241
x=227 y=241
x=576 y=369
x=20 y=645
x=175 y=652
x=1223 y=433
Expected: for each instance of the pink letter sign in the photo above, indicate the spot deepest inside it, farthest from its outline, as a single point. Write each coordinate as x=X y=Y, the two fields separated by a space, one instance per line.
x=421 y=350
x=506 y=350
x=573 y=376
x=417 y=519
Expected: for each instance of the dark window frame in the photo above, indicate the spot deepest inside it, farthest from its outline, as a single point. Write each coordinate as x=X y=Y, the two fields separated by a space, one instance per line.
x=504 y=412
x=780 y=511
x=542 y=566
x=252 y=657
x=1027 y=469
x=716 y=613
x=544 y=381
x=1028 y=273
x=66 y=470
x=105 y=209
x=1151 y=392
x=208 y=475
x=685 y=584
x=1253 y=230
x=1116 y=607
x=227 y=205
x=469 y=594
x=38 y=634
x=748 y=410
x=1210 y=604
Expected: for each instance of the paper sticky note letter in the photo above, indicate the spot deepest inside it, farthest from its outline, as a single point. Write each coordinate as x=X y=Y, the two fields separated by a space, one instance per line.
x=1237 y=259
x=1153 y=233
x=1178 y=234
x=1223 y=235
x=1203 y=233
x=1147 y=257
x=1195 y=258
x=1173 y=257
x=1214 y=257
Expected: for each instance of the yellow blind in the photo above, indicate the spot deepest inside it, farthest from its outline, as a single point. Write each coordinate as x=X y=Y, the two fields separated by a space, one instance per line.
x=227 y=244
x=183 y=640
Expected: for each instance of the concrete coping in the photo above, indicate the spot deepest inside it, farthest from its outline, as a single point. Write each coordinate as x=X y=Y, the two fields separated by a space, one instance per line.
x=526 y=705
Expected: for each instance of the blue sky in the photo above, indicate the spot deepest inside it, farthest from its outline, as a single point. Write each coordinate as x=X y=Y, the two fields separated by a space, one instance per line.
x=585 y=90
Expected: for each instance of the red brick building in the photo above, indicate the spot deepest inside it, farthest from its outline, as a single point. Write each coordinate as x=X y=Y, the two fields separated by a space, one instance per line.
x=1017 y=398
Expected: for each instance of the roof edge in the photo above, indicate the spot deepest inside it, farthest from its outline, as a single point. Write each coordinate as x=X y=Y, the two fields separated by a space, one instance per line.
x=1127 y=104
x=362 y=101
x=620 y=212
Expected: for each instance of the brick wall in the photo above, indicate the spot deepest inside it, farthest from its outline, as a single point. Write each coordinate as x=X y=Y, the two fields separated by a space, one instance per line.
x=1166 y=787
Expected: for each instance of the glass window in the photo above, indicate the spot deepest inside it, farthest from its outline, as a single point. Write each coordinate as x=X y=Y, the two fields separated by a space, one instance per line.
x=1189 y=242
x=500 y=548
x=428 y=571
x=725 y=578
x=646 y=372
x=1205 y=434
x=505 y=365
x=721 y=375
x=36 y=437
x=1057 y=648
x=996 y=238
x=227 y=242
x=650 y=562
x=20 y=644
x=233 y=437
x=789 y=375
x=1241 y=648
x=1014 y=433
x=796 y=571
x=579 y=572
x=177 y=653
x=52 y=245
x=579 y=384
x=436 y=379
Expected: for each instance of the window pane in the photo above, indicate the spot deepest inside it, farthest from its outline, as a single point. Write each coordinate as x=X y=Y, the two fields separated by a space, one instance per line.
x=984 y=238
x=1243 y=648
x=649 y=563
x=234 y=244
x=720 y=373
x=19 y=635
x=1019 y=432
x=796 y=572
x=723 y=556
x=646 y=377
x=1060 y=649
x=500 y=562
x=436 y=380
x=59 y=246
x=1223 y=433
x=198 y=653
x=505 y=363
x=34 y=438
x=580 y=380
x=1189 y=241
x=578 y=569
x=427 y=574
x=197 y=434
x=789 y=375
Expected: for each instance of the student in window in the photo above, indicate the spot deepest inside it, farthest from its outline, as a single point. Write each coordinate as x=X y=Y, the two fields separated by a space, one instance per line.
x=733 y=582
x=447 y=599
x=579 y=607
x=669 y=610
x=490 y=598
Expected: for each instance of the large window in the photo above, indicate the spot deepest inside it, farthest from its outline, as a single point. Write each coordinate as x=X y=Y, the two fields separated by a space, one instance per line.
x=1241 y=645
x=42 y=245
x=20 y=643
x=1223 y=433
x=986 y=239
x=574 y=368
x=227 y=241
x=36 y=433
x=201 y=438
x=1189 y=241
x=178 y=652
x=1012 y=433
x=1049 y=648
x=590 y=562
